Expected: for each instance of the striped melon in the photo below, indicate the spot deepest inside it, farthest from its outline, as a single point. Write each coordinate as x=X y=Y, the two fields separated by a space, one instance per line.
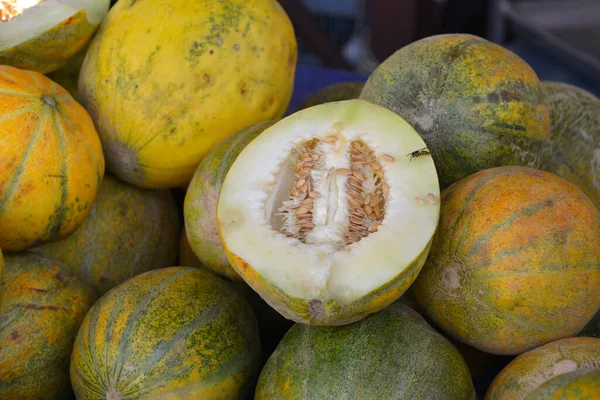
x=515 y=262
x=581 y=384
x=42 y=35
x=393 y=354
x=41 y=308
x=129 y=231
x=52 y=162
x=476 y=104
x=534 y=368
x=200 y=206
x=171 y=333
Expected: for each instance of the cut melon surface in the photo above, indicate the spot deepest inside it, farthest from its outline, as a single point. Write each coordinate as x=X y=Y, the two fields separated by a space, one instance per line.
x=35 y=20
x=329 y=213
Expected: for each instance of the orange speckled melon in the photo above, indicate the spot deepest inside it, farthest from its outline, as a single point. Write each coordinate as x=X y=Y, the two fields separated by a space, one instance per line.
x=41 y=308
x=327 y=215
x=162 y=99
x=515 y=262
x=392 y=354
x=171 y=333
x=533 y=368
x=129 y=231
x=476 y=104
x=52 y=162
x=581 y=384
x=200 y=206
x=42 y=35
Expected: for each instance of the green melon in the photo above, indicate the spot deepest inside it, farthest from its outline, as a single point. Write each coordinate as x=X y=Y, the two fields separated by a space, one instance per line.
x=172 y=333
x=334 y=92
x=200 y=206
x=476 y=104
x=573 y=149
x=393 y=354
x=129 y=231
x=41 y=307
x=582 y=384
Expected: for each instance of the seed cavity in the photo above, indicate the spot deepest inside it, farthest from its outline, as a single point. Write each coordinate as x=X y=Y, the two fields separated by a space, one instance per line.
x=338 y=185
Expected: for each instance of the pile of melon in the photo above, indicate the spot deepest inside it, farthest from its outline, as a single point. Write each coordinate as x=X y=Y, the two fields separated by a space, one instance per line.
x=166 y=232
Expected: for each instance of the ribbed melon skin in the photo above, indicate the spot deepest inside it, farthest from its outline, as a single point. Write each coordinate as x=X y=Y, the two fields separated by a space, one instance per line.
x=129 y=231
x=515 y=262
x=41 y=308
x=393 y=354
x=52 y=162
x=583 y=384
x=172 y=333
x=534 y=368
x=476 y=104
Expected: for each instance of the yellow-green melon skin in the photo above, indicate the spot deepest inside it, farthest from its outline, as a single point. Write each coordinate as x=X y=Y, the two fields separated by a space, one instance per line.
x=129 y=231
x=173 y=333
x=393 y=354
x=53 y=48
x=475 y=104
x=41 y=307
x=200 y=206
x=583 y=384
x=167 y=81
x=573 y=149
x=533 y=368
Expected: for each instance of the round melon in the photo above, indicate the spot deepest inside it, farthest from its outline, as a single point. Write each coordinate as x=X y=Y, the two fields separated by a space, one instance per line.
x=334 y=92
x=327 y=215
x=532 y=369
x=42 y=35
x=129 y=231
x=393 y=354
x=52 y=162
x=476 y=104
x=171 y=333
x=573 y=149
x=515 y=262
x=41 y=308
x=200 y=206
x=162 y=101
x=582 y=384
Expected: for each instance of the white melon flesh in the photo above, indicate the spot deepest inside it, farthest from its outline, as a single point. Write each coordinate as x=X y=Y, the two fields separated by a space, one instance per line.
x=324 y=266
x=45 y=15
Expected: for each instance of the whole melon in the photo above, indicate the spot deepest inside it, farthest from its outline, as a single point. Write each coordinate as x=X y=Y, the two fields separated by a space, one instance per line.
x=200 y=206
x=573 y=149
x=476 y=104
x=581 y=384
x=171 y=333
x=532 y=369
x=41 y=308
x=393 y=354
x=42 y=35
x=129 y=231
x=166 y=81
x=334 y=92
x=52 y=162
x=515 y=262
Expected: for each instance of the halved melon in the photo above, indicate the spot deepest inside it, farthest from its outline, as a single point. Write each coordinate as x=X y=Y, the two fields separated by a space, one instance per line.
x=329 y=213
x=41 y=35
